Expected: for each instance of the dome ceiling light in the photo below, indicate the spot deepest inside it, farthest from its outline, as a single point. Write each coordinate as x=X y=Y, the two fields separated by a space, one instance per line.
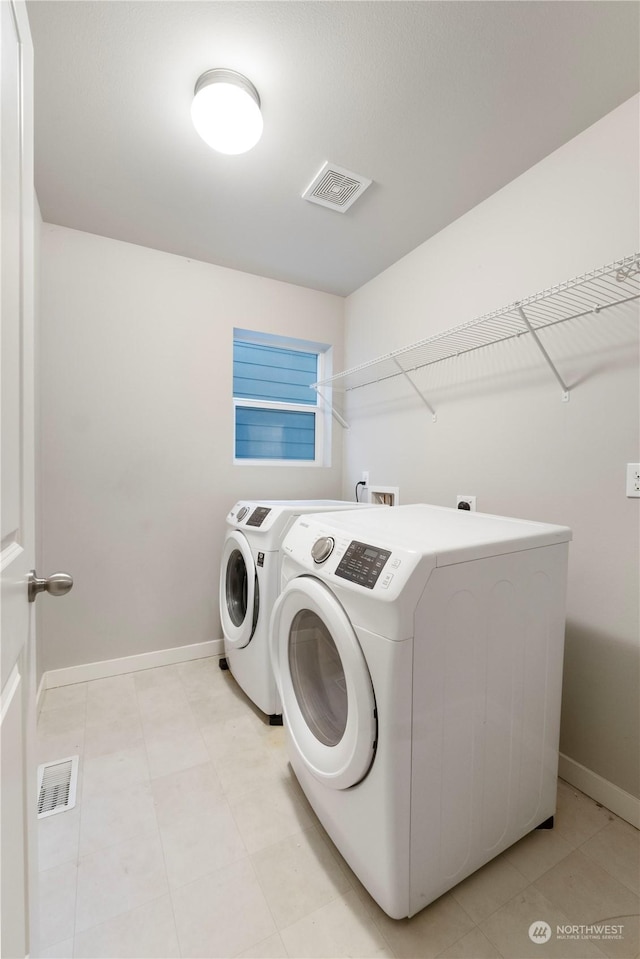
x=226 y=111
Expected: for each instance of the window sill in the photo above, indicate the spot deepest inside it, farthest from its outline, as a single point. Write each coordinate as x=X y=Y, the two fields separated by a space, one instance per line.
x=305 y=464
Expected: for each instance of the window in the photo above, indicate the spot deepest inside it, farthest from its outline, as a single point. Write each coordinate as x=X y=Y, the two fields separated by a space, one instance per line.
x=277 y=415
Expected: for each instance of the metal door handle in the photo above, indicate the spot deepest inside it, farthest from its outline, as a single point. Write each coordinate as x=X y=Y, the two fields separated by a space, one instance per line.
x=57 y=584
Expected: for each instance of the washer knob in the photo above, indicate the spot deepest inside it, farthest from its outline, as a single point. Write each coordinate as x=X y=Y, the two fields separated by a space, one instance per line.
x=322 y=549
x=242 y=512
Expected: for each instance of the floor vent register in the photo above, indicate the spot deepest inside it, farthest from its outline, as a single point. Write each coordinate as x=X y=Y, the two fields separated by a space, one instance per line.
x=57 y=784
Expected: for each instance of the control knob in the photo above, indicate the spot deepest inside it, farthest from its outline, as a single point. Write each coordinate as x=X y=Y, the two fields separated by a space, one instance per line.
x=242 y=512
x=322 y=549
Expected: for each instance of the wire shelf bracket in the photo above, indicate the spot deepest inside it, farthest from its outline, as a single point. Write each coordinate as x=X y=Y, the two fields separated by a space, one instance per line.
x=413 y=385
x=340 y=419
x=548 y=360
x=591 y=293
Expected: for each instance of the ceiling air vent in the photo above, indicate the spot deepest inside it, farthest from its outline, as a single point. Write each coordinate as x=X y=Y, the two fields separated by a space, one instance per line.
x=335 y=187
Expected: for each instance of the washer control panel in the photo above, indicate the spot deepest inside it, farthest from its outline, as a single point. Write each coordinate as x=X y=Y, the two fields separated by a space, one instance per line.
x=258 y=516
x=362 y=563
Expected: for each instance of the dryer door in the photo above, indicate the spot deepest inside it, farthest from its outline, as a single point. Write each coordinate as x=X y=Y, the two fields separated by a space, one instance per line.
x=325 y=687
x=238 y=591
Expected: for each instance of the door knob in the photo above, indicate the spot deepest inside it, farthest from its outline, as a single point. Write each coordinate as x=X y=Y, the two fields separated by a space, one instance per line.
x=57 y=584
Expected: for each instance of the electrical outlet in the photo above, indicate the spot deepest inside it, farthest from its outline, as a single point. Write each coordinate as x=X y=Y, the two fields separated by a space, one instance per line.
x=365 y=477
x=466 y=502
x=633 y=479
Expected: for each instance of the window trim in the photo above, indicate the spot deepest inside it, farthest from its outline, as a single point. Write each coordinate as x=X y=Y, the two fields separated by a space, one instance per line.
x=321 y=409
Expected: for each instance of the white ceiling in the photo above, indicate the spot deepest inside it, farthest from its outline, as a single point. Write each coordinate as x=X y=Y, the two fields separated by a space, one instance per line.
x=439 y=103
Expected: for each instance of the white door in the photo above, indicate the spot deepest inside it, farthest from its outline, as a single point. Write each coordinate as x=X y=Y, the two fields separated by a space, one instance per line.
x=328 y=702
x=17 y=640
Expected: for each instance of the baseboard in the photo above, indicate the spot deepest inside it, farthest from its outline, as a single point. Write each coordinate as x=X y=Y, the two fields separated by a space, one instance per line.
x=621 y=803
x=129 y=664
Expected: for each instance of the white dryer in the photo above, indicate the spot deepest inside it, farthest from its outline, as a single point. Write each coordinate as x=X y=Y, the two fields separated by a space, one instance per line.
x=249 y=585
x=419 y=654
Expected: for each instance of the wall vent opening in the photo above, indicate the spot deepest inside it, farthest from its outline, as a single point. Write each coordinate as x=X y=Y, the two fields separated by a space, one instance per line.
x=335 y=187
x=57 y=785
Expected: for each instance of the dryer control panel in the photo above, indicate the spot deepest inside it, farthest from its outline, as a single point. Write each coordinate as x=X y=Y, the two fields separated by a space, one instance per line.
x=362 y=563
x=258 y=516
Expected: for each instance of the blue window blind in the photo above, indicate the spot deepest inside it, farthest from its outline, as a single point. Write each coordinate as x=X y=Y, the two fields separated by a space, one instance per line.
x=270 y=373
x=274 y=434
x=280 y=378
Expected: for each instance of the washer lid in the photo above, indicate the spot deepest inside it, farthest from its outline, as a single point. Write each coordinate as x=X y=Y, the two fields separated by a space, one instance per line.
x=324 y=683
x=237 y=590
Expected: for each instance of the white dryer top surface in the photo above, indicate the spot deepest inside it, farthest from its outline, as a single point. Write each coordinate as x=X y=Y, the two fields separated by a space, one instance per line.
x=447 y=535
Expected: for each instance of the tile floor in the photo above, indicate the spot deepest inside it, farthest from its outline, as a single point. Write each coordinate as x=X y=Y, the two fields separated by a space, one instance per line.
x=191 y=838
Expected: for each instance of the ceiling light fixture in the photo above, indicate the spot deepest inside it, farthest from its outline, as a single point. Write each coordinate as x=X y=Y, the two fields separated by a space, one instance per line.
x=226 y=111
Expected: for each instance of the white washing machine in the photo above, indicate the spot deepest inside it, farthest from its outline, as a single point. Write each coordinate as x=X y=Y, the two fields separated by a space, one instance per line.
x=249 y=585
x=419 y=654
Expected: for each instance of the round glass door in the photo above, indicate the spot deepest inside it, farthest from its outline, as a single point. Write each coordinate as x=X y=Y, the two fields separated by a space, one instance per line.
x=238 y=590
x=318 y=677
x=324 y=683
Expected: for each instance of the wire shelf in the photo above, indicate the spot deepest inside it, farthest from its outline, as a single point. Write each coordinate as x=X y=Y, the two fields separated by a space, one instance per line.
x=617 y=283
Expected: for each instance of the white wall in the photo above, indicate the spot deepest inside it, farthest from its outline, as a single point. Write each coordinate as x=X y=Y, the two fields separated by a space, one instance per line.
x=503 y=433
x=136 y=437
